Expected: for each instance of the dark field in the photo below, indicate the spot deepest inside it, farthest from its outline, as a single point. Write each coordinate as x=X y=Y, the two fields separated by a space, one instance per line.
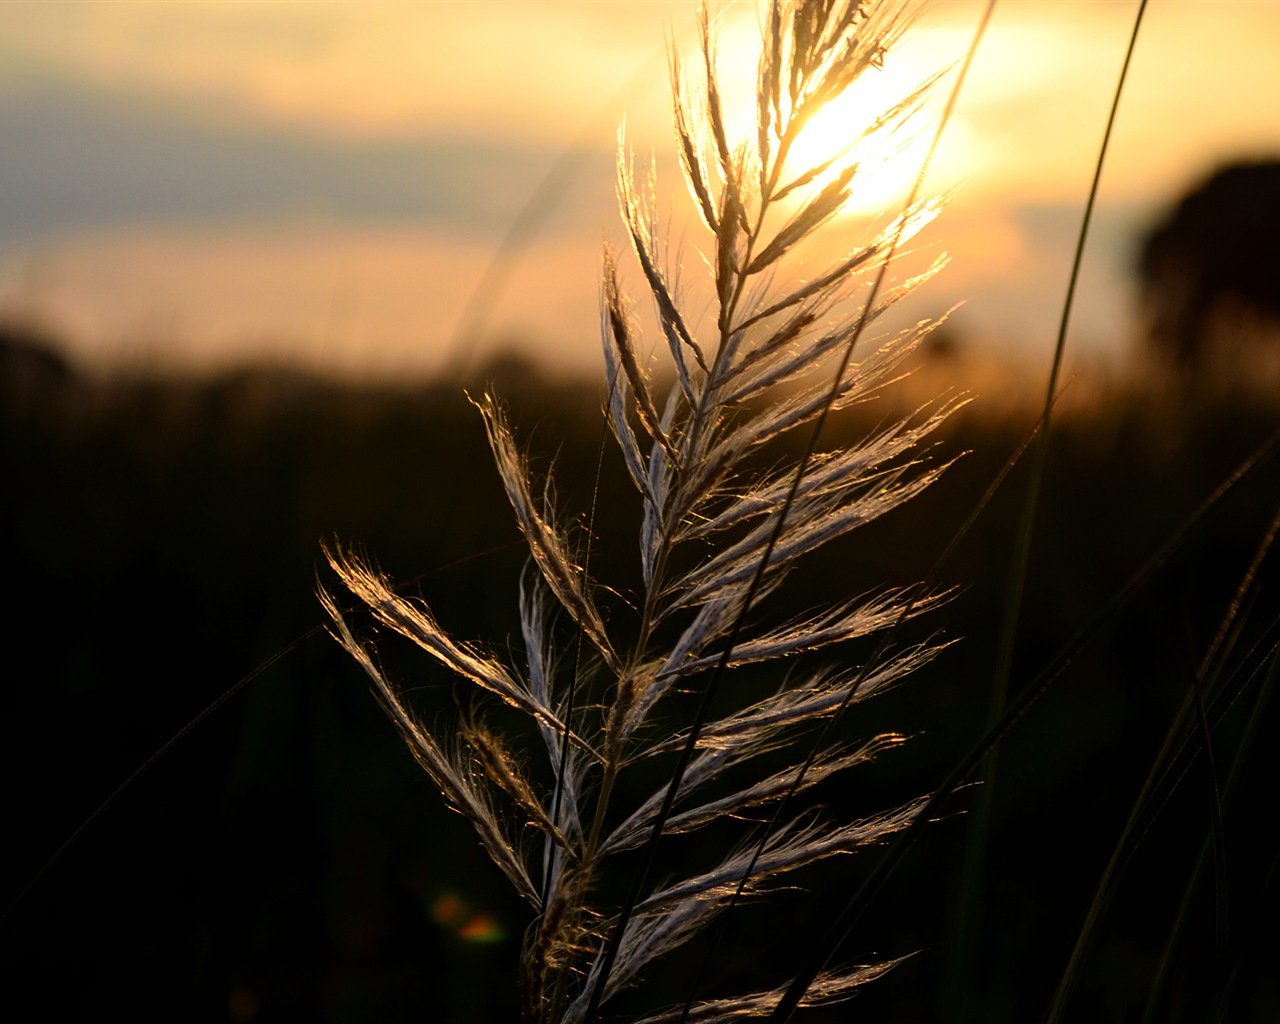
x=287 y=861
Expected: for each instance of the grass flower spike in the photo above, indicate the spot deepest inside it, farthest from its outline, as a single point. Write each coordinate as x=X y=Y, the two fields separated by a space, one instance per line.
x=727 y=507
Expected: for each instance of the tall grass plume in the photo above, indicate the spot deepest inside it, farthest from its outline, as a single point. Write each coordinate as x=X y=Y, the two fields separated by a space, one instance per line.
x=632 y=686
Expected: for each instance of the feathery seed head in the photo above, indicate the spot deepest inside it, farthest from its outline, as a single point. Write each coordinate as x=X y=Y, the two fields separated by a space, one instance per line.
x=718 y=537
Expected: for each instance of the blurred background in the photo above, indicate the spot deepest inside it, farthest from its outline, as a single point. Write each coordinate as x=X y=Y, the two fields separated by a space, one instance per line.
x=187 y=186
x=250 y=256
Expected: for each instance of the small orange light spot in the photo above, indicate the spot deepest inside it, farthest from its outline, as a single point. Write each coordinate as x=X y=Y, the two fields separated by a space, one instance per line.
x=481 y=928
x=449 y=911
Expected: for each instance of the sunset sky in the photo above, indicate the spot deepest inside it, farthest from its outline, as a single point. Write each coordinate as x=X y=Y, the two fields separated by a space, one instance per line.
x=192 y=184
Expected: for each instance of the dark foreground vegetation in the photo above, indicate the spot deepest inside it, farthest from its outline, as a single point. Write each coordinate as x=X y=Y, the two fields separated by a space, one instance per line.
x=286 y=860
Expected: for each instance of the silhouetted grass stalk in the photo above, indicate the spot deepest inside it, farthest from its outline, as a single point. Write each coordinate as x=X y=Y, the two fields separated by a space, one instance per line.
x=968 y=915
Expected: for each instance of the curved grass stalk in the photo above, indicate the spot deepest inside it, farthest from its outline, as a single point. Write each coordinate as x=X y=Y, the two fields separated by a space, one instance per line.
x=966 y=918
x=1163 y=777
x=1255 y=717
x=1017 y=709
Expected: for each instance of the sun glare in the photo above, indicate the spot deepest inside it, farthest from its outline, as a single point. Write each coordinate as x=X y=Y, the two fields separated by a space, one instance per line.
x=889 y=158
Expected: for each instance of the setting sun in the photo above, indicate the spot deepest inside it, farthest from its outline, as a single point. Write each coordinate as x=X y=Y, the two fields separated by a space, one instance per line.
x=888 y=160
x=845 y=130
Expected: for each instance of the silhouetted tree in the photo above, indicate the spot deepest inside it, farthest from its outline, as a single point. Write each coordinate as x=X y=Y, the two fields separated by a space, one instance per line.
x=1210 y=270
